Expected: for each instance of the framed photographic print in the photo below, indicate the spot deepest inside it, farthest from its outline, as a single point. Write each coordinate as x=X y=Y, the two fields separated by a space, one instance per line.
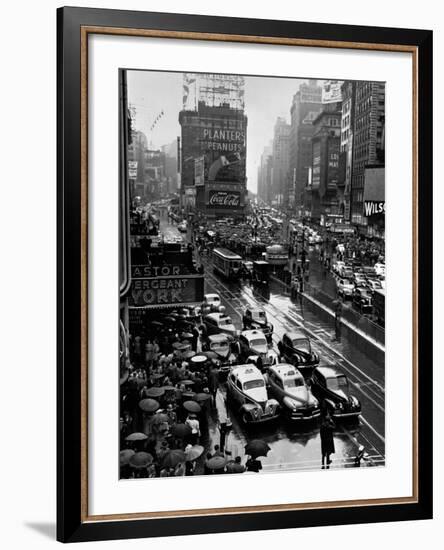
x=244 y=274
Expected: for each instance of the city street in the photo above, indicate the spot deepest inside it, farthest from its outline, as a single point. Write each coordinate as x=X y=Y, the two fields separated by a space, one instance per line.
x=296 y=446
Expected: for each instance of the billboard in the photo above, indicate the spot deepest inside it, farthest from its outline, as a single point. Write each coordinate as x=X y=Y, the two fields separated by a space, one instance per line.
x=199 y=170
x=374 y=191
x=166 y=291
x=331 y=91
x=224 y=199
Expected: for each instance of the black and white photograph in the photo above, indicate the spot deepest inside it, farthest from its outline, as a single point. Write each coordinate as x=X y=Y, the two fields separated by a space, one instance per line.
x=252 y=321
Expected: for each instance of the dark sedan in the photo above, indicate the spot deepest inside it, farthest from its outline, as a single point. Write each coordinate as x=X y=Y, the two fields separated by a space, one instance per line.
x=331 y=387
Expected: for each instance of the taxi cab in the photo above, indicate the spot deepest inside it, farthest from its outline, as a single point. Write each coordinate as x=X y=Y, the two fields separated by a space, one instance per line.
x=247 y=393
x=287 y=385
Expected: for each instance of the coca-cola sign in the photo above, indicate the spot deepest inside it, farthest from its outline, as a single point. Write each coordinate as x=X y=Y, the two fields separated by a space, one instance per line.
x=224 y=199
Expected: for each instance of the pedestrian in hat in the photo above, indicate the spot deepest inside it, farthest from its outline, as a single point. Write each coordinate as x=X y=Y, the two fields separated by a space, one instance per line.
x=327 y=440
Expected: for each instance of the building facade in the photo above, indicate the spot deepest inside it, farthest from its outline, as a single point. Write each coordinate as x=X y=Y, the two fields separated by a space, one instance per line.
x=322 y=193
x=213 y=155
x=346 y=155
x=368 y=142
x=280 y=185
x=306 y=105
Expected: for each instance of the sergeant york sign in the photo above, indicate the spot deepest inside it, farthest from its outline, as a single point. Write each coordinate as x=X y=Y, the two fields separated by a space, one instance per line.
x=166 y=290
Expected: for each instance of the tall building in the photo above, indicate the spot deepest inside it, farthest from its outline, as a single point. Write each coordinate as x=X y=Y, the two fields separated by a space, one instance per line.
x=322 y=193
x=263 y=181
x=346 y=154
x=368 y=142
x=280 y=186
x=213 y=157
x=171 y=168
x=306 y=105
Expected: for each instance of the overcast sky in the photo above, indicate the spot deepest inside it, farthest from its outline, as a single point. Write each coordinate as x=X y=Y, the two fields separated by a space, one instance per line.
x=266 y=98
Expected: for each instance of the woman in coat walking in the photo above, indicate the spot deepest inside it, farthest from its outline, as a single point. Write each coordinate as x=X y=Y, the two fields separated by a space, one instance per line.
x=327 y=440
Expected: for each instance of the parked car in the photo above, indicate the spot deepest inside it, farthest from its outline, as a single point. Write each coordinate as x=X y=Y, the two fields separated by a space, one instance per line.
x=379 y=269
x=252 y=345
x=374 y=284
x=344 y=288
x=337 y=267
x=287 y=385
x=331 y=386
x=362 y=300
x=295 y=348
x=211 y=303
x=359 y=279
x=247 y=393
x=221 y=345
x=256 y=318
x=216 y=323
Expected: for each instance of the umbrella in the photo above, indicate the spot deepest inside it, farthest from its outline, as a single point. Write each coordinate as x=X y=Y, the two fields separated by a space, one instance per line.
x=198 y=359
x=180 y=430
x=235 y=468
x=177 y=345
x=192 y=406
x=149 y=405
x=210 y=354
x=154 y=392
x=125 y=455
x=169 y=388
x=187 y=382
x=157 y=376
x=257 y=447
x=173 y=458
x=216 y=462
x=160 y=418
x=136 y=436
x=186 y=335
x=194 y=452
x=140 y=460
x=189 y=354
x=201 y=397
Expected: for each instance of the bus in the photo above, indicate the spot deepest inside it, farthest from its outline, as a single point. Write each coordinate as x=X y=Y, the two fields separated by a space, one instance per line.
x=226 y=263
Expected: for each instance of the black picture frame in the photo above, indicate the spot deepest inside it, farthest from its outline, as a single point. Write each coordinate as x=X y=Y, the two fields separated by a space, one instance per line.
x=71 y=523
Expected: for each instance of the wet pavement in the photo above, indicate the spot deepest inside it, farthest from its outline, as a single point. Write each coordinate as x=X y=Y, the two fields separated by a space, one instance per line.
x=297 y=445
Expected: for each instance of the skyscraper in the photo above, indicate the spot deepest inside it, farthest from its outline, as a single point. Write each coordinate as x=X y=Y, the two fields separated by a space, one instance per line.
x=304 y=109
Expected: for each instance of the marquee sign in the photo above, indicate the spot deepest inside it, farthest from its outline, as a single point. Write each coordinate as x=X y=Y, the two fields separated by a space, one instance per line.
x=162 y=291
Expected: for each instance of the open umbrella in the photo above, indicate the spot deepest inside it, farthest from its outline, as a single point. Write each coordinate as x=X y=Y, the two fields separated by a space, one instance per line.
x=257 y=447
x=140 y=460
x=198 y=360
x=154 y=392
x=125 y=456
x=180 y=430
x=201 y=397
x=187 y=382
x=149 y=405
x=160 y=418
x=210 y=354
x=192 y=406
x=177 y=345
x=189 y=354
x=194 y=452
x=186 y=335
x=157 y=376
x=216 y=462
x=136 y=436
x=173 y=458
